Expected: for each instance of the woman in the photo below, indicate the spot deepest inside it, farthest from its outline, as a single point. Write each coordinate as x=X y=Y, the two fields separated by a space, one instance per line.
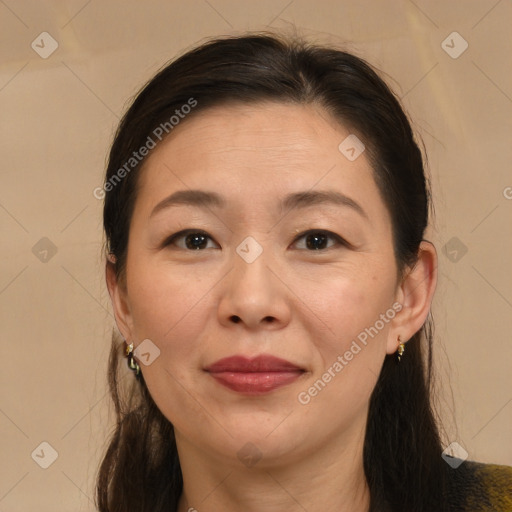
x=265 y=207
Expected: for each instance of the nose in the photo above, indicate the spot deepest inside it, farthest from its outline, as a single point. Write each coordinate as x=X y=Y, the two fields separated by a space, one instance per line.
x=254 y=296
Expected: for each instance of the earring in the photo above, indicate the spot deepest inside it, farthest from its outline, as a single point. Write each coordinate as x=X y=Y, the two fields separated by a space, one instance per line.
x=132 y=364
x=400 y=350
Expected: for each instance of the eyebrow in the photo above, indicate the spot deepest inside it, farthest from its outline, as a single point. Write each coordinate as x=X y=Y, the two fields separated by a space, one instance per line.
x=315 y=197
x=293 y=201
x=198 y=198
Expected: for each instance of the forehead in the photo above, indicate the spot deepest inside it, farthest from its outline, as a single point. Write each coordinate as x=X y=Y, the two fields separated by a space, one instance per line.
x=269 y=129
x=258 y=151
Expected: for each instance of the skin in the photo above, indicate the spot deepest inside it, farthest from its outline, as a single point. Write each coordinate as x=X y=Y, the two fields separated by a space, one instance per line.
x=299 y=304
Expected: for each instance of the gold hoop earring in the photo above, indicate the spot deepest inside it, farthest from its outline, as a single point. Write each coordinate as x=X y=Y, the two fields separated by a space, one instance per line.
x=132 y=364
x=400 y=350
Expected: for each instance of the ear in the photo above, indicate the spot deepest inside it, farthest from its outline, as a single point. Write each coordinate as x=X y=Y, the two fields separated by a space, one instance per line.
x=414 y=294
x=119 y=299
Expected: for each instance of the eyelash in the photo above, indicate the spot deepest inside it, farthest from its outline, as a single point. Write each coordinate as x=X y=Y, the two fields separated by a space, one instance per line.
x=338 y=239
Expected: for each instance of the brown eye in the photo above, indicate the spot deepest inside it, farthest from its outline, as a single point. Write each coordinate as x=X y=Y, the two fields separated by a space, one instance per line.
x=196 y=241
x=191 y=240
x=319 y=240
x=316 y=241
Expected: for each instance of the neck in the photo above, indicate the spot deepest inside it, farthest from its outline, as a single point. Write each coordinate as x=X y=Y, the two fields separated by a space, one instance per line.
x=331 y=479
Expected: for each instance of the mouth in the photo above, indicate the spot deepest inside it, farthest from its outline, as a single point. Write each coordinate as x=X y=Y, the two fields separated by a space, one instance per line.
x=255 y=376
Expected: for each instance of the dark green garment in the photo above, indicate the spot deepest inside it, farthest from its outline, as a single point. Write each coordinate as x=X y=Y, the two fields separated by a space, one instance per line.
x=470 y=487
x=477 y=487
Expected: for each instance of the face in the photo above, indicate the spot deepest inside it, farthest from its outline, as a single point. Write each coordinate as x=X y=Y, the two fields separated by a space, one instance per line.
x=284 y=250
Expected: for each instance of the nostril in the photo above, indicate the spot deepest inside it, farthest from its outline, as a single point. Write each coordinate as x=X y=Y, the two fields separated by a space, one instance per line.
x=236 y=319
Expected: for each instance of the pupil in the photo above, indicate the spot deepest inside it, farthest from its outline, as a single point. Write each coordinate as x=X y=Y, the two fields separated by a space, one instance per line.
x=316 y=241
x=195 y=241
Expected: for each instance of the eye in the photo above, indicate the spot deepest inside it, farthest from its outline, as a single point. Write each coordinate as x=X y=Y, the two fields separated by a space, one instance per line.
x=316 y=240
x=193 y=240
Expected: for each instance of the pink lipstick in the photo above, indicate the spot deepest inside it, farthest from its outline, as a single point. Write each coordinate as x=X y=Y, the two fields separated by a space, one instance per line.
x=255 y=376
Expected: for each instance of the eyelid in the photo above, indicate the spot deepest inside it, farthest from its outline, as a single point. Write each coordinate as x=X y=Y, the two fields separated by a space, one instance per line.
x=170 y=239
x=330 y=234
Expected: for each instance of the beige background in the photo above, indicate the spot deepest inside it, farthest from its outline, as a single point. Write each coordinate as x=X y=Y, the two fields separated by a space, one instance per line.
x=57 y=119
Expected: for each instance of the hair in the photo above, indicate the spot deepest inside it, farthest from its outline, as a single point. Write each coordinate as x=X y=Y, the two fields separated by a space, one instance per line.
x=402 y=448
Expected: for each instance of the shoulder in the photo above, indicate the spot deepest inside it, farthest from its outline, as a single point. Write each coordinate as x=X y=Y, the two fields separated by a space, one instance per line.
x=477 y=487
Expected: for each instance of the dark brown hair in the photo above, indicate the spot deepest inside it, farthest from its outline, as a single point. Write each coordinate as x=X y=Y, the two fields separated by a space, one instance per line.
x=402 y=452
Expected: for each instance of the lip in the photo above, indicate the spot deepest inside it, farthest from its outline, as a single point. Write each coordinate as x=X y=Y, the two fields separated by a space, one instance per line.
x=255 y=376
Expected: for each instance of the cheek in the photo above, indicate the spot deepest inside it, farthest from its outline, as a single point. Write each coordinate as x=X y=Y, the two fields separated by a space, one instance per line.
x=358 y=311
x=168 y=305
x=350 y=304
